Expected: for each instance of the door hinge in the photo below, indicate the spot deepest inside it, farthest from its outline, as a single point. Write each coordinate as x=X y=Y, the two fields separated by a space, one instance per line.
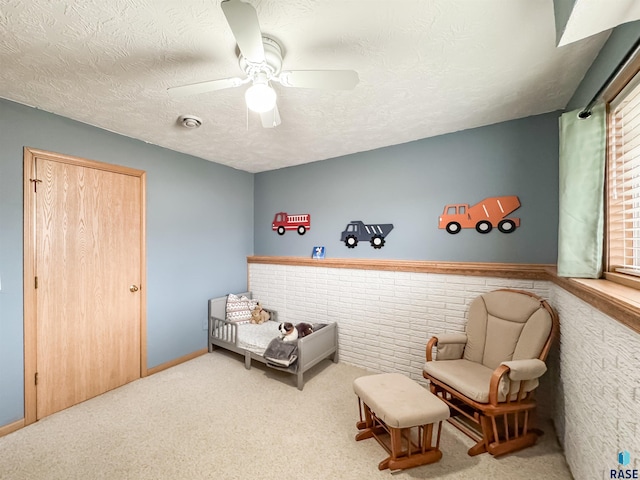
x=36 y=378
x=36 y=286
x=35 y=182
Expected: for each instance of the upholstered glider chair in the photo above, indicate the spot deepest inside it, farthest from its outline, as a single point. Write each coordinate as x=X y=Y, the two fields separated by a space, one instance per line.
x=488 y=374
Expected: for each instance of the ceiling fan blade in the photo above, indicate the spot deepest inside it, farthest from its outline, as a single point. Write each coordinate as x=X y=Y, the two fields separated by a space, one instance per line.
x=329 y=79
x=203 y=87
x=271 y=118
x=243 y=21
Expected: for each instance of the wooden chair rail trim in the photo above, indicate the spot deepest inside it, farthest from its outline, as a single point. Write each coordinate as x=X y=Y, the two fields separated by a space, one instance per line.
x=528 y=271
x=617 y=301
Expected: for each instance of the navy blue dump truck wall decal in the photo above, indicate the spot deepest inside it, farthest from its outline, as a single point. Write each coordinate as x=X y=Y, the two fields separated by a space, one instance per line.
x=358 y=231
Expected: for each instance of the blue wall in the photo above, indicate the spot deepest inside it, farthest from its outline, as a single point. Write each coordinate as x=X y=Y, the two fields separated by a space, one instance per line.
x=202 y=217
x=618 y=44
x=409 y=184
x=199 y=232
x=562 y=12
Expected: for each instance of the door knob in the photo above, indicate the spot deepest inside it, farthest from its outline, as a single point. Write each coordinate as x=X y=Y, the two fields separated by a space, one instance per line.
x=133 y=288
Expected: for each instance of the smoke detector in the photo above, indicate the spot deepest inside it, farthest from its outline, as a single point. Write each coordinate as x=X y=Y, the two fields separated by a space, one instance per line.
x=189 y=121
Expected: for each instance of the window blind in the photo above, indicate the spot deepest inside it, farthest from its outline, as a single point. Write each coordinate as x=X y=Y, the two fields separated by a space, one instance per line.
x=624 y=181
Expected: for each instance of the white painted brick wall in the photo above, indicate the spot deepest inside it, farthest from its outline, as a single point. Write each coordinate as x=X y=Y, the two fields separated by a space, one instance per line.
x=592 y=388
x=598 y=402
x=384 y=318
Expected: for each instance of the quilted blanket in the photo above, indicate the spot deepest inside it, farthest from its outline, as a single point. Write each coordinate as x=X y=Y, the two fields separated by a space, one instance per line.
x=281 y=354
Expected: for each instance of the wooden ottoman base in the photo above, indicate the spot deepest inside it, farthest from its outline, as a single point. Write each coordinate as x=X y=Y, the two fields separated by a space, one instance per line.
x=389 y=404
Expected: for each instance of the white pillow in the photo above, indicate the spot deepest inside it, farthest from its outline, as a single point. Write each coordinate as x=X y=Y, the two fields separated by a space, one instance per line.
x=239 y=308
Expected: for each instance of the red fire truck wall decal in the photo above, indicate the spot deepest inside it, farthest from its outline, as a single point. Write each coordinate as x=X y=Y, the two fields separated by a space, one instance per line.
x=482 y=216
x=283 y=221
x=374 y=233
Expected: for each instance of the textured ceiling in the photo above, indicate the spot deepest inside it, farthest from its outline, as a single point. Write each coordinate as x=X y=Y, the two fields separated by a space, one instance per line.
x=593 y=16
x=426 y=67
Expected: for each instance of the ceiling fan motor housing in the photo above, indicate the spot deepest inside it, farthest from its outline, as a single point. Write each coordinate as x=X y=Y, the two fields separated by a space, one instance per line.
x=273 y=60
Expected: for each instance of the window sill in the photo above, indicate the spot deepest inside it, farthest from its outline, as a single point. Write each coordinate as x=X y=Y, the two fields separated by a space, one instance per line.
x=619 y=301
x=628 y=280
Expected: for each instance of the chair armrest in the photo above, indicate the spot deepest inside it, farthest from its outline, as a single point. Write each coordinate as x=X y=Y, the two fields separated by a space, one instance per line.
x=528 y=369
x=449 y=346
x=452 y=338
x=523 y=371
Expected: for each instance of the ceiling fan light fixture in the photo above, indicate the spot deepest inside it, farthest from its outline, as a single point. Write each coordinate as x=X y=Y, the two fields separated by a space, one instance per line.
x=260 y=58
x=260 y=97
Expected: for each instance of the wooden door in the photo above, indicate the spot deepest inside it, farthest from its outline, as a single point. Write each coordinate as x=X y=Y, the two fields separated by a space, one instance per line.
x=88 y=266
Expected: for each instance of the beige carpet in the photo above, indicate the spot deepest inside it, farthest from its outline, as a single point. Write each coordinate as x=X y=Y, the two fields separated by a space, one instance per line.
x=210 y=418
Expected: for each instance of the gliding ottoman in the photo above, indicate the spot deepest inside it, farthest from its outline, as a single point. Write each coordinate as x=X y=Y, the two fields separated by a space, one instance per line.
x=401 y=415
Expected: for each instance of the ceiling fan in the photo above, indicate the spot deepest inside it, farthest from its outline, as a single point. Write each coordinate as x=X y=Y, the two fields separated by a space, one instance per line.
x=260 y=58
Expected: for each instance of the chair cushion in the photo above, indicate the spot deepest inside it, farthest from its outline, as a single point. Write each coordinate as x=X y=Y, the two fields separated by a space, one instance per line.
x=504 y=326
x=469 y=378
x=472 y=379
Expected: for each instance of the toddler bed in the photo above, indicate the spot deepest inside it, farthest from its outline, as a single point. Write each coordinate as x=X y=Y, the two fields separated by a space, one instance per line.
x=251 y=340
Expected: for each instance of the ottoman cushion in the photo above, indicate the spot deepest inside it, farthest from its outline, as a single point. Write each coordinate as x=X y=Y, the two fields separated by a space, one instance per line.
x=399 y=401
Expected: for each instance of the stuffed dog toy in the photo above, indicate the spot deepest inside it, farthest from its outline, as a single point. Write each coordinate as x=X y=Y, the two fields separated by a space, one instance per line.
x=291 y=333
x=304 y=329
x=258 y=315
x=288 y=333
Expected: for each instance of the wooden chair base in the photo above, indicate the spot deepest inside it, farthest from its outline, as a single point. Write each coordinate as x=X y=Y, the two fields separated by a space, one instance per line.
x=485 y=431
x=410 y=462
x=498 y=430
x=407 y=447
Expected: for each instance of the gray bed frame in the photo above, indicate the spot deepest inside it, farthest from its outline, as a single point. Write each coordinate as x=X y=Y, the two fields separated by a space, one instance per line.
x=312 y=349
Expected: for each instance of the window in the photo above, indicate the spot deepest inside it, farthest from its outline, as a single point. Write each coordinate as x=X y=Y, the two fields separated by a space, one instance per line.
x=623 y=181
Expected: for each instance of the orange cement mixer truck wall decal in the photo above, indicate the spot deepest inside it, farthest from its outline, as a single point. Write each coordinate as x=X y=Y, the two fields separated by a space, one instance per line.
x=483 y=216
